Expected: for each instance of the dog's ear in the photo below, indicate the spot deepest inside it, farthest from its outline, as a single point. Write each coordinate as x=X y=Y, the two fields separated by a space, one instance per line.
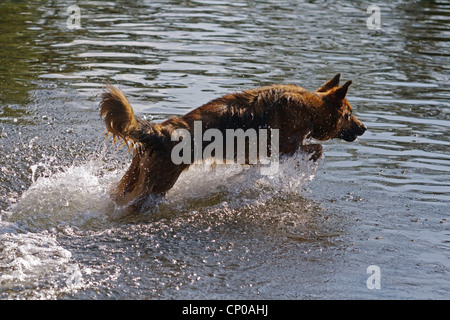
x=341 y=92
x=330 y=84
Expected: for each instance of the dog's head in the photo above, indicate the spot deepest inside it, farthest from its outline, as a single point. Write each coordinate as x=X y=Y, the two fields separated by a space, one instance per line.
x=339 y=121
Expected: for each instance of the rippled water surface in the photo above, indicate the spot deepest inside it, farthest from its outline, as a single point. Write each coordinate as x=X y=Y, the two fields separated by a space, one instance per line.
x=310 y=232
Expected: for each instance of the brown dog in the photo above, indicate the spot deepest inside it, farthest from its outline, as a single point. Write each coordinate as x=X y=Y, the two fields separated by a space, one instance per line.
x=296 y=113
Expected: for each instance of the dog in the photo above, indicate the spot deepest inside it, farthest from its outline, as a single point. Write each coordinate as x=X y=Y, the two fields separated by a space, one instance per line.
x=297 y=114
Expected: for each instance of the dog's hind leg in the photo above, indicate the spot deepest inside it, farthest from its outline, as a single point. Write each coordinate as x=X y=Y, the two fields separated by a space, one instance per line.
x=150 y=173
x=127 y=185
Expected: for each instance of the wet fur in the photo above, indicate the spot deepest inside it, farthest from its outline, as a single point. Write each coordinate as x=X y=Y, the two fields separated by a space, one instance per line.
x=298 y=114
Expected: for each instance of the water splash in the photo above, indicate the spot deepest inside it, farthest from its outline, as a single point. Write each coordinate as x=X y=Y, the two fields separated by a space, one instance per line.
x=75 y=200
x=78 y=196
x=36 y=260
x=240 y=185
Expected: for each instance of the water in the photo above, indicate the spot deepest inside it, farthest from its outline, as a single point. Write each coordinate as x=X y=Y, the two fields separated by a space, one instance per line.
x=309 y=232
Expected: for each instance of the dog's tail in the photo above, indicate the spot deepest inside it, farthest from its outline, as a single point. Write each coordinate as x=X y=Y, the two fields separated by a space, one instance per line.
x=119 y=116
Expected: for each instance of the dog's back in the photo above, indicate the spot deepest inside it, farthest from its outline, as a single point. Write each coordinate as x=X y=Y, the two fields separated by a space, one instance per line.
x=263 y=107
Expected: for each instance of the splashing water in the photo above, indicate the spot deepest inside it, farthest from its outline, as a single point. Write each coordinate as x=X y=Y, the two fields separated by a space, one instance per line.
x=77 y=198
x=74 y=196
x=36 y=260
x=79 y=195
x=242 y=185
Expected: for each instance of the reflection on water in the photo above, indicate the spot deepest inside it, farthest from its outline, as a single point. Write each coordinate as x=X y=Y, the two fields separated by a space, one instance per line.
x=381 y=200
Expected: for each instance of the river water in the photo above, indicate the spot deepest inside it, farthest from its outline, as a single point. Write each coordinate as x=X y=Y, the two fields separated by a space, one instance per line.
x=309 y=232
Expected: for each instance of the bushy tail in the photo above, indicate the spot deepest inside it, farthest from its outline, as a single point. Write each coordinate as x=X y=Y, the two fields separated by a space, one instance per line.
x=118 y=114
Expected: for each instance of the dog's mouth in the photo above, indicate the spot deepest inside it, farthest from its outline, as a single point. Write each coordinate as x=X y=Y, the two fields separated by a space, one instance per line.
x=352 y=135
x=349 y=137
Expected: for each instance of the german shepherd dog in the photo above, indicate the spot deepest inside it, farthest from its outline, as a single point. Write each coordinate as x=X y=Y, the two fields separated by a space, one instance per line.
x=298 y=115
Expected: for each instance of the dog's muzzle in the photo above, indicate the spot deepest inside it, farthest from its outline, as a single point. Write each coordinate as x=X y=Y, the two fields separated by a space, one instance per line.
x=353 y=133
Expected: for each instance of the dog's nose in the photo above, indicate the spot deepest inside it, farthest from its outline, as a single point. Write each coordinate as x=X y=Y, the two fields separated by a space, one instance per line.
x=363 y=129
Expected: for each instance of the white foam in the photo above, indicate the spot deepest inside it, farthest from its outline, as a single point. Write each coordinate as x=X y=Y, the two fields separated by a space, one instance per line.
x=243 y=183
x=36 y=260
x=74 y=197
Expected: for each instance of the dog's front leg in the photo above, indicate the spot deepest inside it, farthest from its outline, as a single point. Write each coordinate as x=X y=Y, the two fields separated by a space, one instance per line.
x=314 y=151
